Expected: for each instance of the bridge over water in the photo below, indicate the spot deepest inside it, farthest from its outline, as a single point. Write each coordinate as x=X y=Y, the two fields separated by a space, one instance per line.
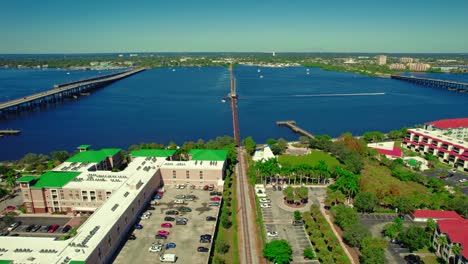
x=436 y=83
x=62 y=91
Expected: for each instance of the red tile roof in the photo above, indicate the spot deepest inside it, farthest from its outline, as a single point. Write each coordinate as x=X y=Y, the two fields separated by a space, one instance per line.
x=457 y=231
x=395 y=152
x=436 y=214
x=449 y=123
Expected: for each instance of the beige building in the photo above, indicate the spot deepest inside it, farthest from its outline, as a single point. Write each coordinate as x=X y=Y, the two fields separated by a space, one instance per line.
x=381 y=60
x=418 y=66
x=406 y=59
x=397 y=66
x=450 y=240
x=456 y=128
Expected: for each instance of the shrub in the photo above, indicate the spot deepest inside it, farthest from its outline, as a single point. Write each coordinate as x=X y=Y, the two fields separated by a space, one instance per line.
x=309 y=253
x=297 y=215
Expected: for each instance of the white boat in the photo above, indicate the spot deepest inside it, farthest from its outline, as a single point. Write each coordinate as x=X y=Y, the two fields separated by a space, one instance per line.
x=68 y=73
x=223 y=101
x=261 y=76
x=258 y=70
x=173 y=70
x=307 y=73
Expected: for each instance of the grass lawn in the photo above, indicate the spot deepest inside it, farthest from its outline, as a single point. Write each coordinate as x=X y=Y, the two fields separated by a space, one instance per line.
x=430 y=260
x=311 y=159
x=378 y=179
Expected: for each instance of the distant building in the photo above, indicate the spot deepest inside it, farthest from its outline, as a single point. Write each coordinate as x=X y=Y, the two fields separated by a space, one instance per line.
x=456 y=128
x=419 y=66
x=274 y=54
x=448 y=235
x=449 y=150
x=349 y=61
x=397 y=66
x=436 y=215
x=381 y=60
x=406 y=60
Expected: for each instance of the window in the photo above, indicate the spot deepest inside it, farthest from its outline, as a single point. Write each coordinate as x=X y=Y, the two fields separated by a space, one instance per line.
x=187 y=174
x=29 y=210
x=174 y=174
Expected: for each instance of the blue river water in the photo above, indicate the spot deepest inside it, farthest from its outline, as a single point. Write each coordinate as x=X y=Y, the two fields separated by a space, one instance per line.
x=182 y=104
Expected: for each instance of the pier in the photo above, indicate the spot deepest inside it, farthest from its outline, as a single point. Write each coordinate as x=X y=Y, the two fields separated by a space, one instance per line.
x=62 y=91
x=292 y=125
x=435 y=83
x=9 y=132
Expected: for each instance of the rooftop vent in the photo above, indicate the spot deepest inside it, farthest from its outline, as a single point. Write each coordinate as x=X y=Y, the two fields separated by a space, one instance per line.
x=114 y=207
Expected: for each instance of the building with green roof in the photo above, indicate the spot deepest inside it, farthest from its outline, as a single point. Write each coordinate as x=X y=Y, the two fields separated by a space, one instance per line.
x=53 y=179
x=27 y=179
x=208 y=154
x=106 y=158
x=158 y=153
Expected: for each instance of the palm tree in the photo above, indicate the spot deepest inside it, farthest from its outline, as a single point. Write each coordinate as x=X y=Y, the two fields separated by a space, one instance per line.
x=11 y=182
x=456 y=251
x=441 y=242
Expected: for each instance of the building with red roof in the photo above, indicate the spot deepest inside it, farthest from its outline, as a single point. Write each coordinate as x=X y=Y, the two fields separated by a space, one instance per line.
x=457 y=127
x=424 y=215
x=454 y=247
x=387 y=148
x=447 y=149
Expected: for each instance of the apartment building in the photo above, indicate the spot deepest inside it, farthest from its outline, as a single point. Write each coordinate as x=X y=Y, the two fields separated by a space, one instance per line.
x=450 y=240
x=419 y=66
x=449 y=150
x=381 y=60
x=456 y=128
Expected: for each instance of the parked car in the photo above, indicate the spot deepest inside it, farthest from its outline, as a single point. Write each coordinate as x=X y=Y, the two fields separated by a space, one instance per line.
x=145 y=216
x=157 y=197
x=182 y=219
x=215 y=199
x=203 y=249
x=265 y=200
x=179 y=201
x=54 y=227
x=206 y=236
x=204 y=240
x=190 y=197
x=172 y=212
x=180 y=196
x=214 y=204
x=150 y=208
x=462 y=180
x=216 y=193
x=413 y=259
x=131 y=237
x=138 y=226
x=297 y=223
x=35 y=228
x=170 y=245
x=163 y=232
x=166 y=225
x=210 y=218
x=280 y=188
x=185 y=209
x=265 y=205
x=14 y=226
x=181 y=222
x=29 y=228
x=168 y=218
x=158 y=236
x=10 y=208
x=66 y=228
x=155 y=248
x=274 y=188
x=45 y=229
x=272 y=234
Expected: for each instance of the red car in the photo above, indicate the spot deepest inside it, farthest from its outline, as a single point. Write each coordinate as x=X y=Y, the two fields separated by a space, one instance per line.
x=215 y=199
x=53 y=228
x=166 y=225
x=10 y=208
x=163 y=232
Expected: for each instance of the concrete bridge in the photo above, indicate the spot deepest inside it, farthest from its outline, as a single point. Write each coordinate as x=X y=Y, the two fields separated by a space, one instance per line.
x=62 y=91
x=436 y=83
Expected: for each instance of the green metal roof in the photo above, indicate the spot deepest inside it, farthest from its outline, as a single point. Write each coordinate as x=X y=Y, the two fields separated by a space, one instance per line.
x=27 y=178
x=208 y=154
x=413 y=162
x=160 y=153
x=6 y=261
x=77 y=262
x=95 y=156
x=54 y=179
x=84 y=146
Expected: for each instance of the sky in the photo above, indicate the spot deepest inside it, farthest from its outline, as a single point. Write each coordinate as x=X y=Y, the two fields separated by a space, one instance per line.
x=102 y=26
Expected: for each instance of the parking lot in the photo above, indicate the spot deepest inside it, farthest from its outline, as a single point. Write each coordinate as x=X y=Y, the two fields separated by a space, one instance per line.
x=450 y=177
x=43 y=226
x=186 y=237
x=277 y=219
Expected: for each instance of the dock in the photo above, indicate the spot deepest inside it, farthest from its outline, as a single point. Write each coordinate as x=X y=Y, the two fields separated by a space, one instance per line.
x=9 y=132
x=292 y=125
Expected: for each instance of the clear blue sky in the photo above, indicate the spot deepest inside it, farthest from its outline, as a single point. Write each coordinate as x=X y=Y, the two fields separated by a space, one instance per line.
x=84 y=26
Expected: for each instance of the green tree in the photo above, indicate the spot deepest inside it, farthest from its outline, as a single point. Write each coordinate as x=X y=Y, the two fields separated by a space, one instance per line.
x=365 y=202
x=345 y=216
x=172 y=145
x=334 y=197
x=431 y=225
x=392 y=230
x=222 y=246
x=372 y=250
x=249 y=145
x=271 y=141
x=11 y=182
x=354 y=234
x=278 y=251
x=373 y=136
x=297 y=215
x=59 y=155
x=218 y=260
x=226 y=221
x=404 y=204
x=309 y=253
x=414 y=238
x=289 y=193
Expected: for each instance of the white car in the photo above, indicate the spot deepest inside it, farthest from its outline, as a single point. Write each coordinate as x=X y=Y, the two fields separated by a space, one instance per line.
x=155 y=248
x=272 y=234
x=148 y=213
x=13 y=226
x=145 y=216
x=179 y=201
x=462 y=180
x=265 y=200
x=265 y=205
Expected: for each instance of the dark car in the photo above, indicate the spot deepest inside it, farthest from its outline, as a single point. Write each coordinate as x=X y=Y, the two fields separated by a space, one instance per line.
x=138 y=226
x=413 y=259
x=210 y=218
x=170 y=245
x=150 y=208
x=206 y=236
x=157 y=197
x=160 y=236
x=203 y=249
x=274 y=188
x=213 y=193
x=205 y=240
x=181 y=222
x=35 y=228
x=298 y=223
x=172 y=212
x=168 y=218
x=29 y=228
x=185 y=209
x=131 y=237
x=280 y=188
x=66 y=228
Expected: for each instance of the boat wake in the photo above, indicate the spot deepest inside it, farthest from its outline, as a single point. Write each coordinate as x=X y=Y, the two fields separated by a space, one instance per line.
x=338 y=94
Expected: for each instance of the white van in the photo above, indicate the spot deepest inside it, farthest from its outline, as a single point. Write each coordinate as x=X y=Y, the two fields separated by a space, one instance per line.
x=168 y=258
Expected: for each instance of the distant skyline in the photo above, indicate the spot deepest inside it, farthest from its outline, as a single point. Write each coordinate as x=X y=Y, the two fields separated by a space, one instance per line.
x=53 y=26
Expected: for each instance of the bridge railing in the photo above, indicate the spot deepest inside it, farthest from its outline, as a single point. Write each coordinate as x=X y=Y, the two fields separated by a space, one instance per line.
x=90 y=79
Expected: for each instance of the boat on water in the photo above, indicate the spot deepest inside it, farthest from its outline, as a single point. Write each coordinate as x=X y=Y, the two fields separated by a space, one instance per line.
x=258 y=70
x=223 y=101
x=261 y=76
x=173 y=70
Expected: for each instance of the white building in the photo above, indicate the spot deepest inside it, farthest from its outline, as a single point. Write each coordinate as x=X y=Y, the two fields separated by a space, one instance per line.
x=263 y=154
x=381 y=60
x=457 y=128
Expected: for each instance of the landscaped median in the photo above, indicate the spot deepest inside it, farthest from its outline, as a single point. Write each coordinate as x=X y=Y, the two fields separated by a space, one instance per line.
x=326 y=245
